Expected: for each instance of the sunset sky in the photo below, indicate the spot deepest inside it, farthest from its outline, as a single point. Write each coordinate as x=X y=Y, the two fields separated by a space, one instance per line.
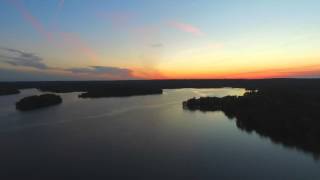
x=158 y=39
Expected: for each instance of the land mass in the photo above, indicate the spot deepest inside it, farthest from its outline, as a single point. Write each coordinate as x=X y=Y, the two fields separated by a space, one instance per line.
x=8 y=91
x=284 y=110
x=36 y=102
x=287 y=116
x=86 y=86
x=120 y=92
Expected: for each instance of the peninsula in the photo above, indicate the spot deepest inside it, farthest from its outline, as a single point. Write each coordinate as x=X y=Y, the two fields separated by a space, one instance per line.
x=120 y=92
x=286 y=116
x=8 y=91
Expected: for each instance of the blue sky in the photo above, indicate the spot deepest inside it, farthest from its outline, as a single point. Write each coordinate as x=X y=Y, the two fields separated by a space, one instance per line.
x=162 y=39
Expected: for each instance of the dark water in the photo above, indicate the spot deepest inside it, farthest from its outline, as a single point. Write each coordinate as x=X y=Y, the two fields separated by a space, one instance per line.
x=143 y=137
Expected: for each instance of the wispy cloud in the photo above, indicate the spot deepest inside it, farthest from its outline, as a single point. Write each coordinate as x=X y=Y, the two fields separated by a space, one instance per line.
x=156 y=45
x=103 y=72
x=20 y=58
x=76 y=42
x=186 y=28
x=27 y=15
x=69 y=38
x=8 y=74
x=115 y=72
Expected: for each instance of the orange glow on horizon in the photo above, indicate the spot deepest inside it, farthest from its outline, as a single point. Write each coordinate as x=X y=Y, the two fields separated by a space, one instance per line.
x=310 y=70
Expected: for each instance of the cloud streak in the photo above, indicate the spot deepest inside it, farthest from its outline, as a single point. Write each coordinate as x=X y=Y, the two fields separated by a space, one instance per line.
x=20 y=58
x=69 y=38
x=156 y=45
x=188 y=28
x=112 y=72
x=77 y=43
x=36 y=24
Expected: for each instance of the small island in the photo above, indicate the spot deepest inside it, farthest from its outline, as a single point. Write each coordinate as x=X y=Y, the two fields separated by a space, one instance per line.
x=8 y=91
x=290 y=117
x=36 y=102
x=120 y=92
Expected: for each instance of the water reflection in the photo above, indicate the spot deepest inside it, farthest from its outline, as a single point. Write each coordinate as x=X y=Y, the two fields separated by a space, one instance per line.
x=289 y=133
x=145 y=137
x=281 y=127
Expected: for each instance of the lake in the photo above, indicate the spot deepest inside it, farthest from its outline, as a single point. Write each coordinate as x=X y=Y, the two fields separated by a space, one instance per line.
x=142 y=137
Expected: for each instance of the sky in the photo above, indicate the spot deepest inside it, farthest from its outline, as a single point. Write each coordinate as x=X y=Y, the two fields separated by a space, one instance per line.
x=158 y=39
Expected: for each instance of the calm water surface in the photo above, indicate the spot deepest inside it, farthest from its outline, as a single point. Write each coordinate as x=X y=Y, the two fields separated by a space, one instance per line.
x=142 y=137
